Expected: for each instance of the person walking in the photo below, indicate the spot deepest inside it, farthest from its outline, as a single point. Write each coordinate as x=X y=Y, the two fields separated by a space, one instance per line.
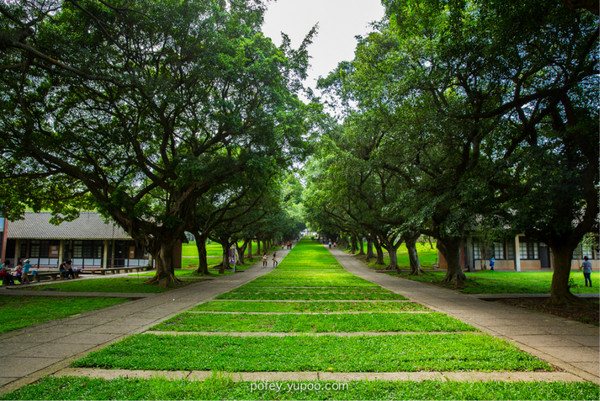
x=492 y=262
x=25 y=273
x=264 y=259
x=587 y=270
x=275 y=259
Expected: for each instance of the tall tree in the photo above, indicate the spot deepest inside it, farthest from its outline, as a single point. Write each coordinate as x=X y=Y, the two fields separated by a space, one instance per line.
x=145 y=104
x=533 y=68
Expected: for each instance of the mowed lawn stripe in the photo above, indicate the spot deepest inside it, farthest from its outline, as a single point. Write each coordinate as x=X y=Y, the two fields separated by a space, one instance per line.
x=407 y=353
x=314 y=323
x=309 y=307
x=226 y=388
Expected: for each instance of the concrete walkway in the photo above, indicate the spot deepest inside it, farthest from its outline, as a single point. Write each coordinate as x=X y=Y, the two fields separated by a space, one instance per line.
x=569 y=345
x=32 y=352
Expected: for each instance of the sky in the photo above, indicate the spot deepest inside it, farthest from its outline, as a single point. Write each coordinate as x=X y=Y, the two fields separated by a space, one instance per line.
x=339 y=22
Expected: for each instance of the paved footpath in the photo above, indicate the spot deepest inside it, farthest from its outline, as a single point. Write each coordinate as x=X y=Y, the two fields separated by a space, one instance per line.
x=569 y=345
x=30 y=353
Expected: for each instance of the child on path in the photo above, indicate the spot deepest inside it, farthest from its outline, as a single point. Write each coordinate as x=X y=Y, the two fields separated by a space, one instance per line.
x=264 y=259
x=274 y=259
x=587 y=270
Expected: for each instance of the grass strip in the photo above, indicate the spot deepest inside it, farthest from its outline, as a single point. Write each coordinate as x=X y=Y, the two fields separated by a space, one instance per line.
x=315 y=293
x=309 y=307
x=310 y=280
x=224 y=388
x=318 y=323
x=396 y=353
x=20 y=311
x=130 y=284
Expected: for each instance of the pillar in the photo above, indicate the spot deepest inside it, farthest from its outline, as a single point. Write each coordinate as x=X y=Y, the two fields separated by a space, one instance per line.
x=105 y=254
x=517 y=254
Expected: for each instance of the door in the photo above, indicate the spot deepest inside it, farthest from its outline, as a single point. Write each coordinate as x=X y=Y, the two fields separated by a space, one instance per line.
x=544 y=256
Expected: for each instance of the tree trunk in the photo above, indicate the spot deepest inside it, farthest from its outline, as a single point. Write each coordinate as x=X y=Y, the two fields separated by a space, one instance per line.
x=241 y=251
x=413 y=257
x=450 y=248
x=370 y=254
x=265 y=246
x=258 y=247
x=165 y=272
x=225 y=263
x=361 y=246
x=561 y=263
x=380 y=260
x=250 y=251
x=393 y=254
x=353 y=247
x=202 y=257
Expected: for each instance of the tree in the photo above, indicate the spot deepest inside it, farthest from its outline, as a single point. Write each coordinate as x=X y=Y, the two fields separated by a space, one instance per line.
x=532 y=68
x=145 y=105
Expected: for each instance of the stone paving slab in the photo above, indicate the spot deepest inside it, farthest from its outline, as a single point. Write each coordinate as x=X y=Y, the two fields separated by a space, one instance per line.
x=21 y=365
x=109 y=374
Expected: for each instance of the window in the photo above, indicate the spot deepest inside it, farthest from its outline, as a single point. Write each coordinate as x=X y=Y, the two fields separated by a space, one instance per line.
x=78 y=249
x=528 y=249
x=476 y=250
x=91 y=249
x=586 y=250
x=498 y=250
x=510 y=250
x=34 y=250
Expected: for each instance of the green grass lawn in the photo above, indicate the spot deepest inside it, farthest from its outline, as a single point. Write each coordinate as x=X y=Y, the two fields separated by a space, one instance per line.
x=223 y=387
x=20 y=311
x=314 y=323
x=309 y=278
x=427 y=256
x=213 y=249
x=502 y=282
x=309 y=307
x=130 y=284
x=404 y=353
x=311 y=293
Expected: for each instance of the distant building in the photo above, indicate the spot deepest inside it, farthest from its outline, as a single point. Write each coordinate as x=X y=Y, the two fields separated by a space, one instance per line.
x=532 y=255
x=89 y=241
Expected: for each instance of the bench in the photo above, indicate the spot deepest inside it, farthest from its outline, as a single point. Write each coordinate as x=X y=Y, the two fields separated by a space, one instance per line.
x=49 y=274
x=115 y=270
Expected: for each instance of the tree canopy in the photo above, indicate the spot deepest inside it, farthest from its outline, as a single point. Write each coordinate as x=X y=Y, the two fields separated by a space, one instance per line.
x=485 y=113
x=141 y=107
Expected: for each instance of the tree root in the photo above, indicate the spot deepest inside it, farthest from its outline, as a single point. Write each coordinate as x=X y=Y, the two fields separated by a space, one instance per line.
x=166 y=281
x=417 y=272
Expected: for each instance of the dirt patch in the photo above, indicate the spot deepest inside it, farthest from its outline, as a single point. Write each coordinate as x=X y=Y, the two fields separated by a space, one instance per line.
x=586 y=311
